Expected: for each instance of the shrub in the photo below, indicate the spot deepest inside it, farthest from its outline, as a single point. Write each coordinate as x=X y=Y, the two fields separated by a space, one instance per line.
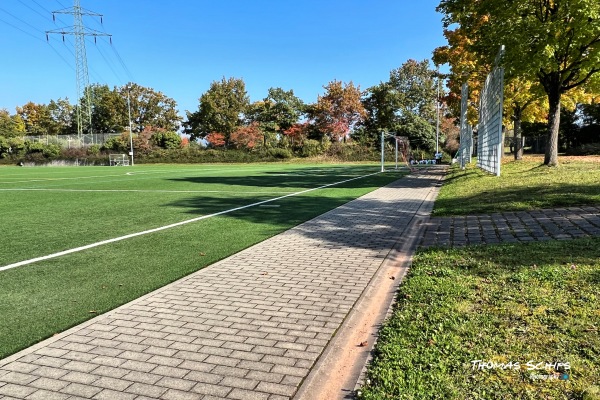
x=116 y=143
x=311 y=148
x=93 y=150
x=584 y=150
x=280 y=154
x=166 y=139
x=51 y=151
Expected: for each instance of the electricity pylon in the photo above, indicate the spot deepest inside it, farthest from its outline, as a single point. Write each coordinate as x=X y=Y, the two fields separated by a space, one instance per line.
x=79 y=31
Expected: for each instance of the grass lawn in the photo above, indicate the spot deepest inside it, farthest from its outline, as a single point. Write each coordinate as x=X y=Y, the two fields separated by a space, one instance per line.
x=502 y=304
x=522 y=185
x=47 y=210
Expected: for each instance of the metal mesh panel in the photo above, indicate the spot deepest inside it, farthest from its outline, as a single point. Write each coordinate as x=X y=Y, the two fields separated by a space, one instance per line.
x=466 y=132
x=489 y=139
x=73 y=141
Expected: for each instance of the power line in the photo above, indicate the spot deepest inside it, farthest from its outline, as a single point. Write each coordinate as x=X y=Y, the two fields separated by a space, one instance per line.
x=16 y=27
x=108 y=63
x=33 y=9
x=127 y=71
x=79 y=31
x=19 y=19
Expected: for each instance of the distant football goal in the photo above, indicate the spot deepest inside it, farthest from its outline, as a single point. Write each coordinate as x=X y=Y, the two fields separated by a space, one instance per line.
x=118 y=160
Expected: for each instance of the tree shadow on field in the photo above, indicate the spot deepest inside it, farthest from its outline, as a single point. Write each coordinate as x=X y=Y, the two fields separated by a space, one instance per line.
x=304 y=178
x=366 y=222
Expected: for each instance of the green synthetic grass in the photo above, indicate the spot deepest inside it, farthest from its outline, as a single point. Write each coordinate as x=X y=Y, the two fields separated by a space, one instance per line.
x=522 y=185
x=516 y=303
x=79 y=206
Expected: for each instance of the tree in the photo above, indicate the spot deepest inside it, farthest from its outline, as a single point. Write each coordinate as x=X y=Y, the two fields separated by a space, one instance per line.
x=276 y=113
x=63 y=116
x=220 y=110
x=11 y=125
x=148 y=108
x=381 y=106
x=297 y=133
x=283 y=108
x=109 y=109
x=36 y=117
x=337 y=112
x=166 y=139
x=522 y=98
x=247 y=137
x=556 y=42
x=405 y=105
x=215 y=139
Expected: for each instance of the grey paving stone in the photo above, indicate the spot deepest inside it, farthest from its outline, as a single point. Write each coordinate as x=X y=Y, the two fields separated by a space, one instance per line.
x=250 y=326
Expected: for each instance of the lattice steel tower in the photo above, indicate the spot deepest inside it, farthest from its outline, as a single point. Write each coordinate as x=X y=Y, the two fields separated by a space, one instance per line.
x=79 y=31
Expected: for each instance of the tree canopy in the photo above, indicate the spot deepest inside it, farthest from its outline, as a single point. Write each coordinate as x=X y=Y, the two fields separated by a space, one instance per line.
x=554 y=42
x=221 y=109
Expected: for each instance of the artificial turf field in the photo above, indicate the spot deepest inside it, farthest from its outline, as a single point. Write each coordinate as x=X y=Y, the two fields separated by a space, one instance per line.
x=49 y=210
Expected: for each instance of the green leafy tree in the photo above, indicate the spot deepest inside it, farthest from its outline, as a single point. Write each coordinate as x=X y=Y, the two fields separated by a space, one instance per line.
x=149 y=108
x=381 y=105
x=405 y=105
x=556 y=42
x=221 y=110
x=11 y=125
x=166 y=139
x=37 y=118
x=277 y=112
x=108 y=109
x=63 y=116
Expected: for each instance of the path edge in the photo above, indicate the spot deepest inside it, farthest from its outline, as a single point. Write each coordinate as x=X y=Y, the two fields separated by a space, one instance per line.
x=317 y=385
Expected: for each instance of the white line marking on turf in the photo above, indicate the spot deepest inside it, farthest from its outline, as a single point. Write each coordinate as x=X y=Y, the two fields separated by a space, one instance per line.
x=162 y=228
x=134 y=191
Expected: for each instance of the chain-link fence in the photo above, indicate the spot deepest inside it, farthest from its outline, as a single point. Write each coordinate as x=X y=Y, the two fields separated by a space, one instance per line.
x=73 y=141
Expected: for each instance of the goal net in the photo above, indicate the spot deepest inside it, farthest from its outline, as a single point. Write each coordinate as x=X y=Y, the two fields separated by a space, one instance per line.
x=118 y=160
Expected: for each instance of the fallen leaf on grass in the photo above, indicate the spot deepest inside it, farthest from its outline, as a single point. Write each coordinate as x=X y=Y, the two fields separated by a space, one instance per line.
x=93 y=312
x=201 y=254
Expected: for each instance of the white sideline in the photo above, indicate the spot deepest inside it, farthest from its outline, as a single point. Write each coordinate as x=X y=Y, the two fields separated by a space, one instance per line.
x=162 y=228
x=132 y=190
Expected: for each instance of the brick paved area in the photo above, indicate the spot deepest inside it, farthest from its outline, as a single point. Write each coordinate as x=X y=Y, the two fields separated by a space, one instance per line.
x=248 y=327
x=520 y=226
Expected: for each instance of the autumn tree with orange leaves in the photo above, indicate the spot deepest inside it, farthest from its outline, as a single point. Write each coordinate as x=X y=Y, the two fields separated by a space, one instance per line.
x=337 y=112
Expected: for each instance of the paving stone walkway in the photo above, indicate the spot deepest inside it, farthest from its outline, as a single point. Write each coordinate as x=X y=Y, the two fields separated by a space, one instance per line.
x=520 y=226
x=249 y=327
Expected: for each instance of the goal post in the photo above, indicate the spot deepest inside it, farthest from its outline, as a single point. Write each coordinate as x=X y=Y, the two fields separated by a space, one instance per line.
x=401 y=149
x=118 y=160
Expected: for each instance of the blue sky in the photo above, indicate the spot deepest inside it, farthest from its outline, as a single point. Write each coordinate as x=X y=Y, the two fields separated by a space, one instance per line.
x=179 y=47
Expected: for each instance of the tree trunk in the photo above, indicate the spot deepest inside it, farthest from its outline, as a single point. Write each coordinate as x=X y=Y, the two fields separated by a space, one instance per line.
x=518 y=140
x=551 y=157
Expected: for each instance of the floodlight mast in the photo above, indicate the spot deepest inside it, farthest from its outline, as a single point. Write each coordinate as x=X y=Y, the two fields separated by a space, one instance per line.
x=130 y=128
x=437 y=112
